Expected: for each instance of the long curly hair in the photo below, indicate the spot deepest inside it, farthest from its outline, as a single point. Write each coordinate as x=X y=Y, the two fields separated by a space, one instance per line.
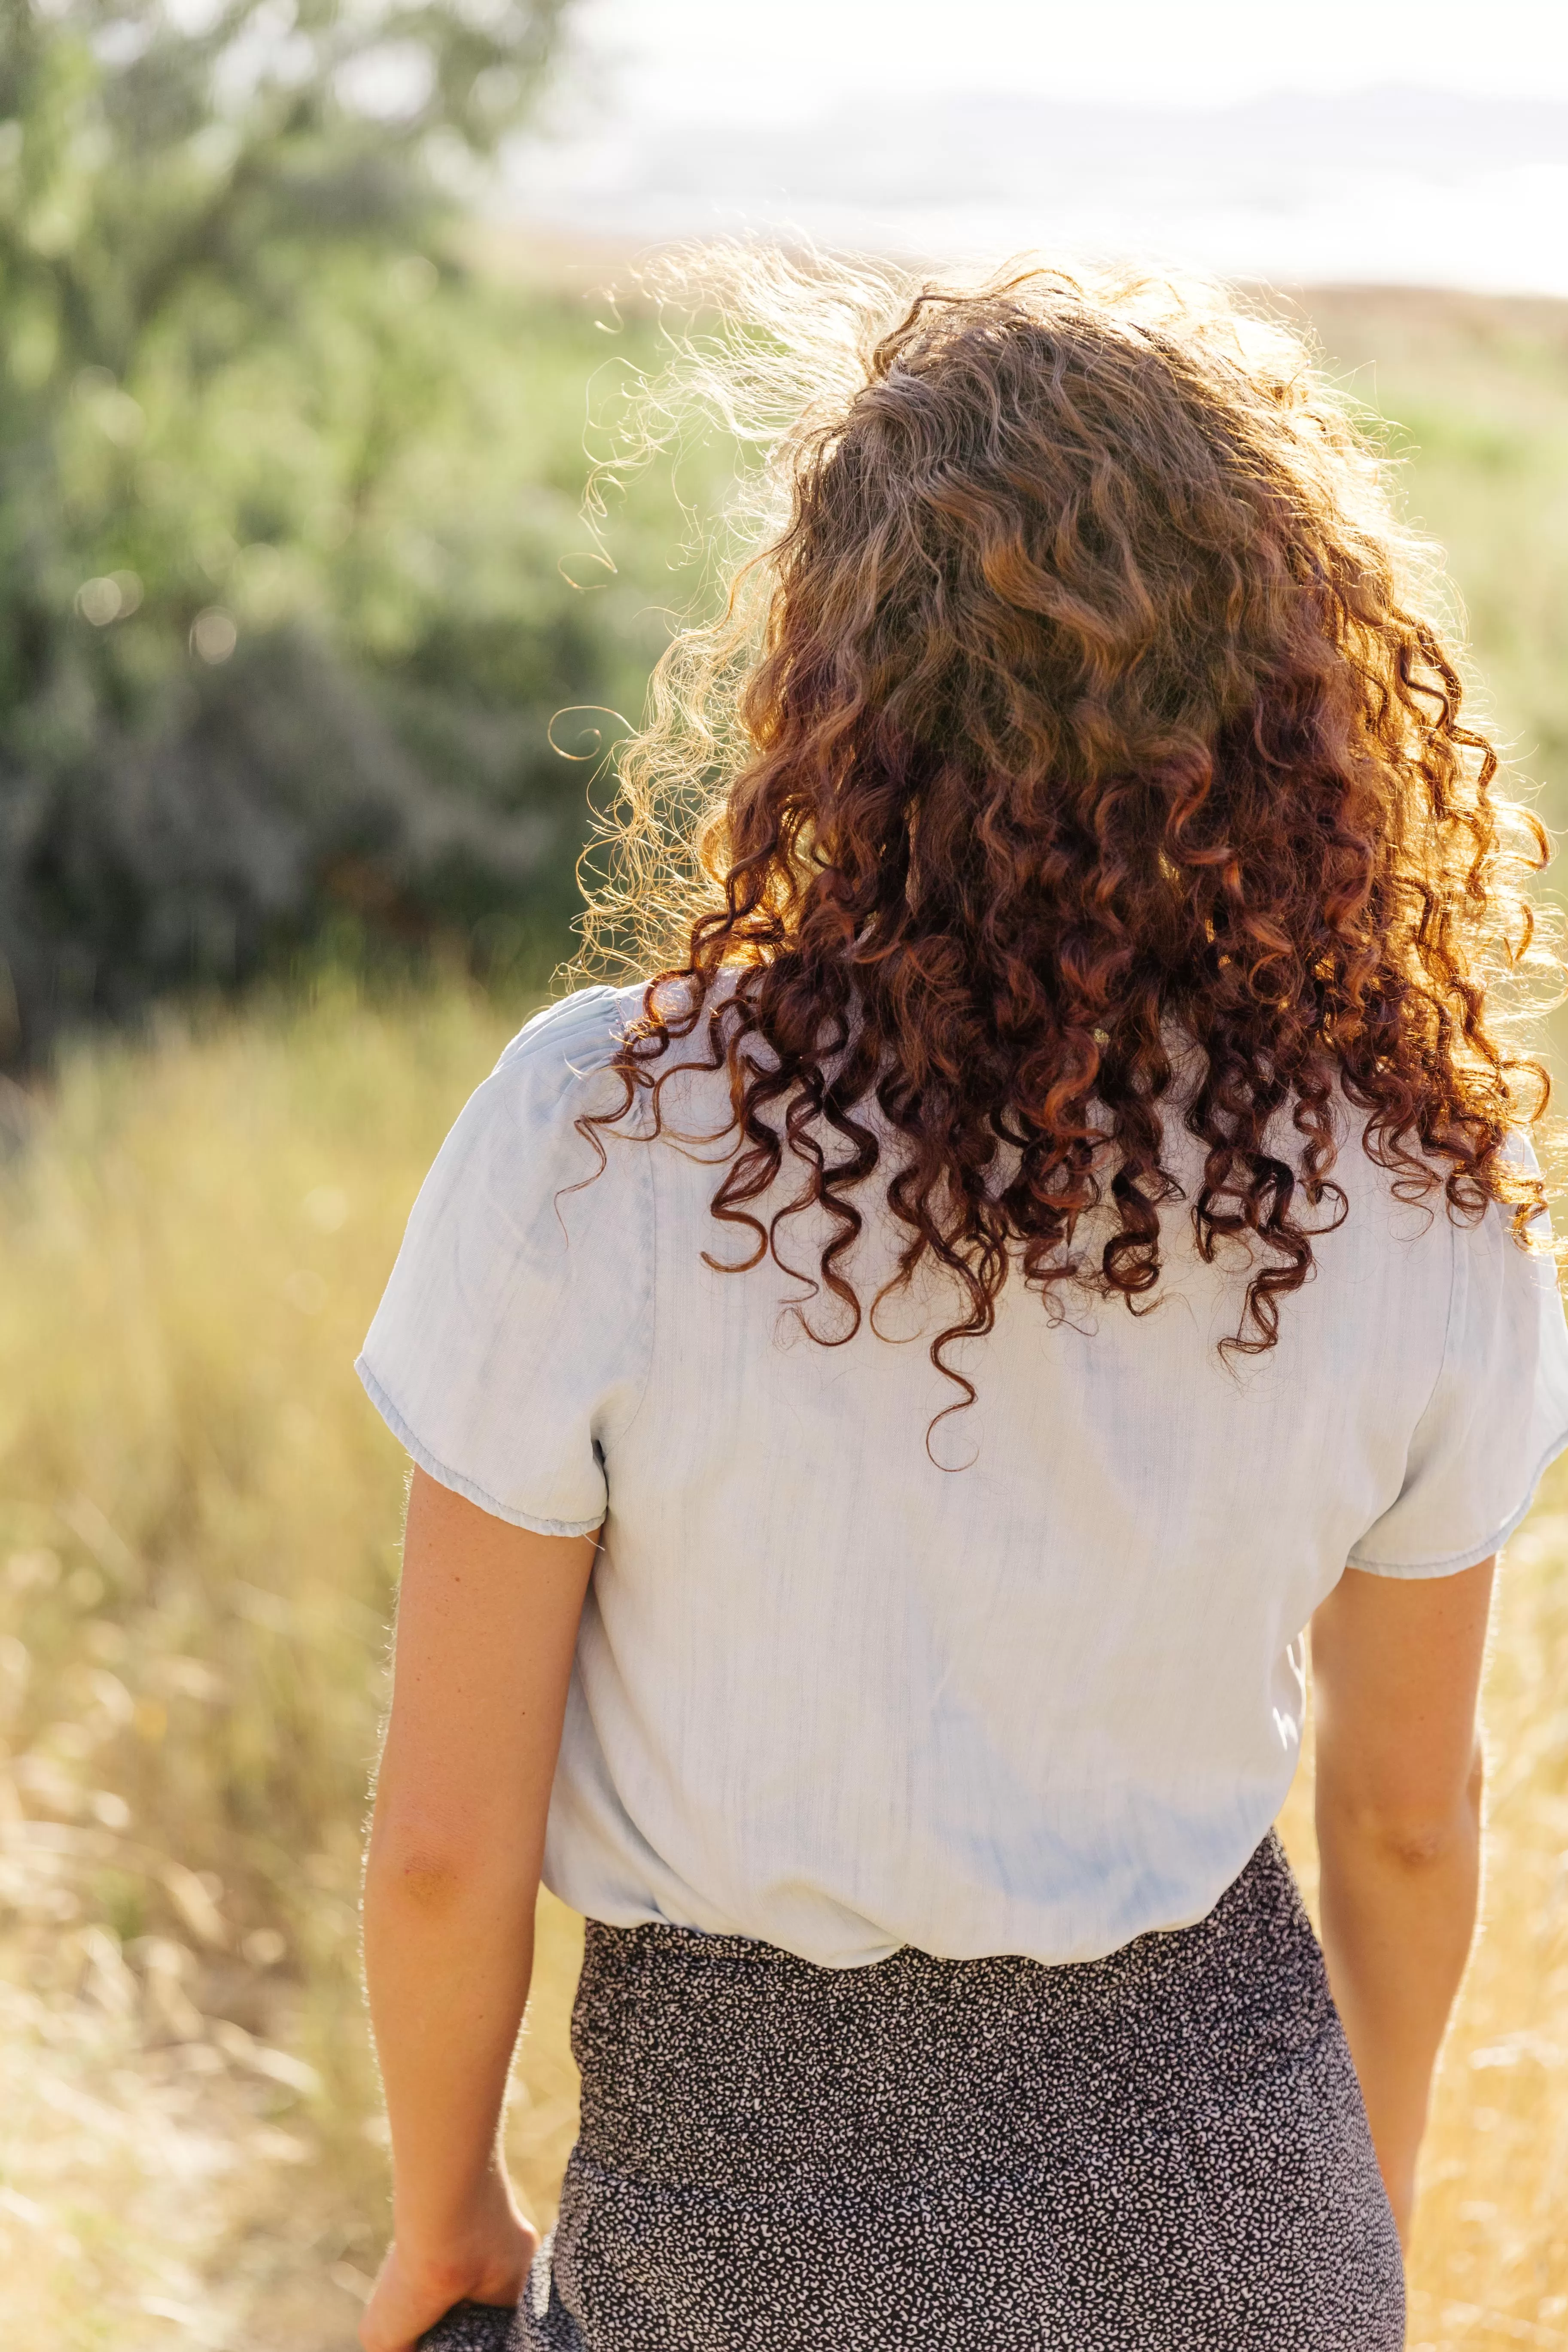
x=1079 y=713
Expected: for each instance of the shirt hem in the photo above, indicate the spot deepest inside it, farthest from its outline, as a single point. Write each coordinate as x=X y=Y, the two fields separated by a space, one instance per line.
x=1453 y=1563
x=454 y=1480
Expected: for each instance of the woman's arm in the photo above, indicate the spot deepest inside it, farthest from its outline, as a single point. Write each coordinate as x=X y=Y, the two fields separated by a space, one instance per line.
x=487 y=1623
x=1396 y=1669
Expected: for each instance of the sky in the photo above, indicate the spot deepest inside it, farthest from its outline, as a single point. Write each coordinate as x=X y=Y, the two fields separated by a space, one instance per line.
x=775 y=59
x=1370 y=140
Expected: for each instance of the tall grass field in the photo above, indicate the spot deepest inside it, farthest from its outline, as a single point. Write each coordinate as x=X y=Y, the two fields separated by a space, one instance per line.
x=199 y=1521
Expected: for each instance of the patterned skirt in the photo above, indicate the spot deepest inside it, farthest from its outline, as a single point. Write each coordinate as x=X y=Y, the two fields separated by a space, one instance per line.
x=1165 y=2149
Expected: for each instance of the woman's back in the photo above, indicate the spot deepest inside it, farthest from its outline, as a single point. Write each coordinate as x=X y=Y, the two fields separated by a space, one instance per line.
x=1024 y=1679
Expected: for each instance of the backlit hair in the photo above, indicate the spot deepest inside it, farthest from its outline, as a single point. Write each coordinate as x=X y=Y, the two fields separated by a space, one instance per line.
x=1077 y=700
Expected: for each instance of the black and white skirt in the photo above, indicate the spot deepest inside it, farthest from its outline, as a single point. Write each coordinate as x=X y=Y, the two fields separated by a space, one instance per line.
x=1165 y=2149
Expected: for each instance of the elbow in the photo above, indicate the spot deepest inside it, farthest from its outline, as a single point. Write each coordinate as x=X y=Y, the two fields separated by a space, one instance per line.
x=1409 y=1833
x=430 y=1883
x=421 y=1867
x=1426 y=1841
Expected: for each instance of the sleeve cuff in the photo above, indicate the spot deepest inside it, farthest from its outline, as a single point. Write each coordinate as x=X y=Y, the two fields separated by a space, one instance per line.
x=454 y=1480
x=1451 y=1563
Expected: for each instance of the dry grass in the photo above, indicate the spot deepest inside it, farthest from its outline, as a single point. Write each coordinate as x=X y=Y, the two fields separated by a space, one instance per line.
x=197 y=1536
x=197 y=1544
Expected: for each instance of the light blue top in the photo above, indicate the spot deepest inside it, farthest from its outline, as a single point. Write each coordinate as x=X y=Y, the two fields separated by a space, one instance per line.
x=830 y=1695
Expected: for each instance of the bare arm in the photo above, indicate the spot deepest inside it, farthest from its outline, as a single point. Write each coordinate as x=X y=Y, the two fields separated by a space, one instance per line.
x=487 y=1623
x=1396 y=1668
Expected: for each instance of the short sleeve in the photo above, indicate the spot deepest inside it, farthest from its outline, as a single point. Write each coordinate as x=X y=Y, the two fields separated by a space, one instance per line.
x=1498 y=1413
x=515 y=1337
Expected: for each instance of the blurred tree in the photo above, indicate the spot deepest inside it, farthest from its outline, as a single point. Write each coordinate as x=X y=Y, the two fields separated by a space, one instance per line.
x=242 y=680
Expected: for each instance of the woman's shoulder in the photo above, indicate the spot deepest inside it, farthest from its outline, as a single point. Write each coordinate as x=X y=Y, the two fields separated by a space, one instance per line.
x=530 y=1127
x=569 y=1042
x=563 y=1065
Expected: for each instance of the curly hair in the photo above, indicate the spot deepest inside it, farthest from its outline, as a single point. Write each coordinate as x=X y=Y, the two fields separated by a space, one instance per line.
x=1079 y=712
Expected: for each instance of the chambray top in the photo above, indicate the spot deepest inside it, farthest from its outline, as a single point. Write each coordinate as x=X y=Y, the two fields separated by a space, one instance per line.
x=1034 y=1696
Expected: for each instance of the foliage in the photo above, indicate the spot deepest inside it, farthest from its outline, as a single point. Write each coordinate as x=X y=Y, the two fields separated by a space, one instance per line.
x=284 y=490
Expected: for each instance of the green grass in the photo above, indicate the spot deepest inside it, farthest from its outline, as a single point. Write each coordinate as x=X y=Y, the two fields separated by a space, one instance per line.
x=1475 y=391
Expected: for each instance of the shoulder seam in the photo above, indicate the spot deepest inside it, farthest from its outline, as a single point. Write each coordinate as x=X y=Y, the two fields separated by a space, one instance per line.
x=556 y=1031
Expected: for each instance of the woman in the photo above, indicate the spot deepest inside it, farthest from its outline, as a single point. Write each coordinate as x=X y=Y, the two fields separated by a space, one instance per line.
x=887 y=1396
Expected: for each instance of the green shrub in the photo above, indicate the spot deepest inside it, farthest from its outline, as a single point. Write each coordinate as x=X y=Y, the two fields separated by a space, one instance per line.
x=293 y=577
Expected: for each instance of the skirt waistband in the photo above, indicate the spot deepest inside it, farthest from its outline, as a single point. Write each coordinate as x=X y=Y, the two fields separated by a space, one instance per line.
x=1264 y=1891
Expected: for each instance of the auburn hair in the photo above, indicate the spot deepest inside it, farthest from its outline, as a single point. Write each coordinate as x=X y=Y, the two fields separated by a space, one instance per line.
x=1078 y=709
